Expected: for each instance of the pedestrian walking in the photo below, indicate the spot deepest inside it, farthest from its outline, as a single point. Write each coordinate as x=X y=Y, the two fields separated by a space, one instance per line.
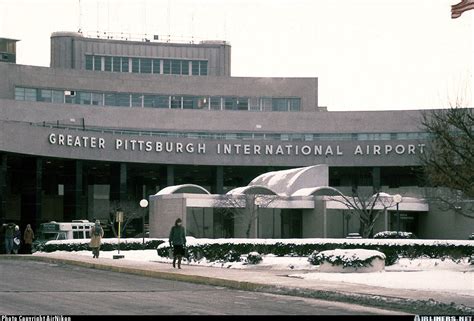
x=16 y=239
x=177 y=241
x=28 y=237
x=9 y=232
x=96 y=238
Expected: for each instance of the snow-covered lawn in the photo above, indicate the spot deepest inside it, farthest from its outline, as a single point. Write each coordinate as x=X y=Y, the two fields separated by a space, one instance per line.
x=421 y=274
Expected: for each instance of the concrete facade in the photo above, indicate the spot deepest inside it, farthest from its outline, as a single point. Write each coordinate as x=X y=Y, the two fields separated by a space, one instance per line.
x=62 y=160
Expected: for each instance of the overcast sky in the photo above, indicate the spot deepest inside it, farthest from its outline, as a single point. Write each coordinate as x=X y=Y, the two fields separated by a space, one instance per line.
x=367 y=54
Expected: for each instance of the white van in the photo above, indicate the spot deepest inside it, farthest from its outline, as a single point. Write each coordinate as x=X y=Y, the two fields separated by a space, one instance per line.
x=77 y=229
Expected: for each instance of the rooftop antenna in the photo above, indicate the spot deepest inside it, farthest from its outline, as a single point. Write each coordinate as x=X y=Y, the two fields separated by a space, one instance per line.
x=79 y=29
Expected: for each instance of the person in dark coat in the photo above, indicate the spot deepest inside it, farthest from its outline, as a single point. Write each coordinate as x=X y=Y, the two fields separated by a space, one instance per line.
x=97 y=233
x=9 y=233
x=16 y=239
x=177 y=241
x=28 y=237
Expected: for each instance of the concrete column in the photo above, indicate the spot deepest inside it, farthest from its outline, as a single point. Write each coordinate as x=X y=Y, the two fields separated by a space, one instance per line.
x=3 y=187
x=376 y=178
x=118 y=182
x=73 y=191
x=219 y=180
x=169 y=175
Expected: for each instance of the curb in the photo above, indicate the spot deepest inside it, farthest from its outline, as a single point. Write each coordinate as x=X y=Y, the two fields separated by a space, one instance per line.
x=426 y=307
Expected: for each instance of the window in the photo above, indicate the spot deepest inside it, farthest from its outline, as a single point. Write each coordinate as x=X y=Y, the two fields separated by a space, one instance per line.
x=84 y=98
x=135 y=65
x=89 y=63
x=295 y=104
x=19 y=93
x=166 y=66
x=203 y=68
x=266 y=104
x=195 y=68
x=215 y=103
x=97 y=99
x=30 y=94
x=254 y=104
x=145 y=66
x=97 y=63
x=156 y=66
x=137 y=100
x=108 y=63
x=123 y=100
x=279 y=104
x=176 y=102
x=188 y=102
x=202 y=103
x=176 y=67
x=242 y=103
x=125 y=64
x=156 y=101
x=110 y=100
x=116 y=63
x=230 y=103
x=58 y=96
x=185 y=67
x=77 y=234
x=70 y=97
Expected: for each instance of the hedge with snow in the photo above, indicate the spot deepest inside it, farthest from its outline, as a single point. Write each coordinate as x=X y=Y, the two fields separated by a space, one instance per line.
x=346 y=258
x=231 y=249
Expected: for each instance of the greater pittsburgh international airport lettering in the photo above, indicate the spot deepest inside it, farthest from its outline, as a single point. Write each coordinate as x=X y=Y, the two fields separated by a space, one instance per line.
x=137 y=145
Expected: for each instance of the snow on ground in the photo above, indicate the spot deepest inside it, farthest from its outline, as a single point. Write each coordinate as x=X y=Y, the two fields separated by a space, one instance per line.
x=420 y=274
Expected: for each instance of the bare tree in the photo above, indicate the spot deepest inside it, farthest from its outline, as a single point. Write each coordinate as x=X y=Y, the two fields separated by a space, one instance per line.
x=448 y=160
x=244 y=207
x=369 y=206
x=131 y=210
x=449 y=199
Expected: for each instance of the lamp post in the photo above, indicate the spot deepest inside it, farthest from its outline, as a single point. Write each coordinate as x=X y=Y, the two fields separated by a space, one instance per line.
x=143 y=204
x=397 y=198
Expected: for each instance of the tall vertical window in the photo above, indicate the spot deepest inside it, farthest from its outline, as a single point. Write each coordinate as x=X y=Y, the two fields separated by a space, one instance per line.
x=145 y=66
x=254 y=104
x=123 y=100
x=97 y=63
x=107 y=63
x=188 y=102
x=156 y=66
x=124 y=61
x=203 y=68
x=167 y=66
x=195 y=68
x=176 y=67
x=89 y=63
x=185 y=67
x=242 y=103
x=136 y=65
x=116 y=63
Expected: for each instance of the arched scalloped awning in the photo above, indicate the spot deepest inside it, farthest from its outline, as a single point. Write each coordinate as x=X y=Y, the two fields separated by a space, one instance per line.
x=321 y=190
x=253 y=189
x=185 y=188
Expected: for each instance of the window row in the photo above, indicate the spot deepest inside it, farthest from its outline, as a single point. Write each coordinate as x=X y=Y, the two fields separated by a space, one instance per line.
x=147 y=65
x=158 y=101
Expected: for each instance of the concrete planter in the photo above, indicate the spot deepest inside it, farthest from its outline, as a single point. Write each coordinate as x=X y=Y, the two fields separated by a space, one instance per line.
x=351 y=261
x=377 y=265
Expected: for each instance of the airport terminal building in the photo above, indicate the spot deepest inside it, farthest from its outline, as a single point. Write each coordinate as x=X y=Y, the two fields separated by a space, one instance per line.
x=113 y=121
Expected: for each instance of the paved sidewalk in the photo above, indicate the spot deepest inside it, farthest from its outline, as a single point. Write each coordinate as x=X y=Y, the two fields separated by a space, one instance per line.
x=278 y=282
